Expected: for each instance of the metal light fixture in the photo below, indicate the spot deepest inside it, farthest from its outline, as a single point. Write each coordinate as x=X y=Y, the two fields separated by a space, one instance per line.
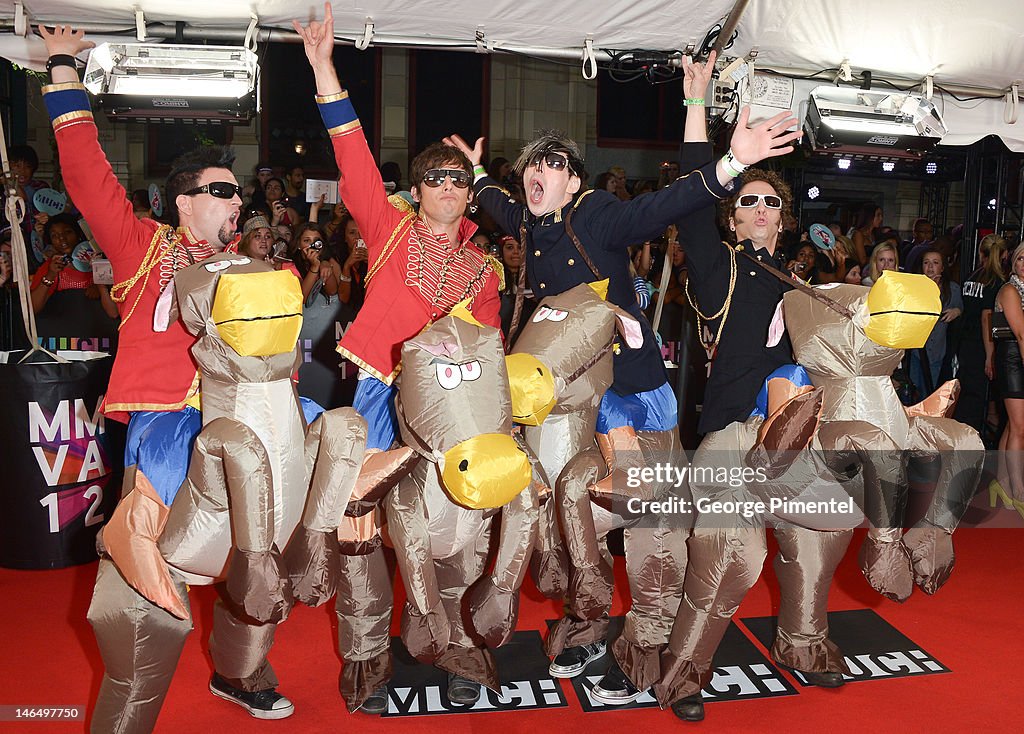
x=888 y=166
x=859 y=120
x=166 y=82
x=844 y=163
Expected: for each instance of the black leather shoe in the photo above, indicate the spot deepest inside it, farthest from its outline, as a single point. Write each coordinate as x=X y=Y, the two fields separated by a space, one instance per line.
x=376 y=702
x=690 y=708
x=824 y=680
x=462 y=690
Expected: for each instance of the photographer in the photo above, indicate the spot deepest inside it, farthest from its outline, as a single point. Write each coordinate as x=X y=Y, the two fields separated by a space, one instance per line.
x=350 y=245
x=316 y=261
x=279 y=205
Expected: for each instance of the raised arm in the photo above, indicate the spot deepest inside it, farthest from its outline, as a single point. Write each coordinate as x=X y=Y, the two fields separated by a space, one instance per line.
x=87 y=174
x=507 y=213
x=359 y=184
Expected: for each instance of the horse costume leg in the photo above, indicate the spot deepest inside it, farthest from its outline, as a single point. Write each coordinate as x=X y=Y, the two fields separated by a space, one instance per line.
x=239 y=648
x=364 y=606
x=463 y=657
x=806 y=562
x=962 y=454
x=425 y=625
x=884 y=559
x=726 y=553
x=655 y=567
x=494 y=599
x=140 y=644
x=230 y=468
x=590 y=576
x=333 y=453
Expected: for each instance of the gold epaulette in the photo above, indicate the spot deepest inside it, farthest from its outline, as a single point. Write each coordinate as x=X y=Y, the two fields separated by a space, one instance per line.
x=164 y=239
x=498 y=268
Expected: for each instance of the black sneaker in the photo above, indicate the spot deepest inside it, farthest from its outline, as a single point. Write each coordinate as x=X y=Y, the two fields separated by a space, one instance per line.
x=572 y=660
x=615 y=689
x=376 y=702
x=265 y=704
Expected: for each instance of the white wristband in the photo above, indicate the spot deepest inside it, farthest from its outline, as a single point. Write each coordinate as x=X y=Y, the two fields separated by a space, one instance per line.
x=732 y=166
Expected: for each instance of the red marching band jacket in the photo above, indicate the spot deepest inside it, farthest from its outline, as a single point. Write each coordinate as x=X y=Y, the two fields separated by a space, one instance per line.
x=153 y=371
x=414 y=276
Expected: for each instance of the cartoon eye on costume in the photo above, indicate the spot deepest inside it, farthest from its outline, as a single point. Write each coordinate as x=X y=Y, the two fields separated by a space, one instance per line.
x=544 y=313
x=225 y=264
x=449 y=376
x=470 y=371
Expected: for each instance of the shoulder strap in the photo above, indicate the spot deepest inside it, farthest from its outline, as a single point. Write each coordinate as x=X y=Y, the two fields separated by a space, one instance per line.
x=576 y=240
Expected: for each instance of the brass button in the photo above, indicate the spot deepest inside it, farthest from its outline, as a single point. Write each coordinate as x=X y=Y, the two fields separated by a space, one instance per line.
x=543 y=286
x=753 y=273
x=571 y=261
x=758 y=257
x=536 y=253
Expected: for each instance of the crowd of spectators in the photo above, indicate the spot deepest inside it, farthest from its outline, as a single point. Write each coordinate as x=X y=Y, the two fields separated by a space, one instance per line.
x=321 y=245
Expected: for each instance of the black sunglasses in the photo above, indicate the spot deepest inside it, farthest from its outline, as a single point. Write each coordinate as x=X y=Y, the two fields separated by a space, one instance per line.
x=554 y=161
x=220 y=189
x=435 y=177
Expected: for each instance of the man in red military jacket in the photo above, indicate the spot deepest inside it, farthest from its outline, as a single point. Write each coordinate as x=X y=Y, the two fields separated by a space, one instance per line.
x=154 y=384
x=420 y=266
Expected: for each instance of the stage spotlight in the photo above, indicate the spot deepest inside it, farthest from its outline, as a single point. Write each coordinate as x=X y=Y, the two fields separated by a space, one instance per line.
x=813 y=192
x=844 y=163
x=931 y=167
x=888 y=166
x=992 y=204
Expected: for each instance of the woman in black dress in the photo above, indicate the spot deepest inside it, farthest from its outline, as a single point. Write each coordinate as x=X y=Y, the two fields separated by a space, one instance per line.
x=1009 y=371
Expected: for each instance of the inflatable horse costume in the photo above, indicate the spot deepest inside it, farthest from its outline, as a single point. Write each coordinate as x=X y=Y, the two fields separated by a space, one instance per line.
x=247 y=490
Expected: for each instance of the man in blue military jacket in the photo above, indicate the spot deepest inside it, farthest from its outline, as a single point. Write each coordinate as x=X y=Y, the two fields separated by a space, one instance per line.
x=572 y=238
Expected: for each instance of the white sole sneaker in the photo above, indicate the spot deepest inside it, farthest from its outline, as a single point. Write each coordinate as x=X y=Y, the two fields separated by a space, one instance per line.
x=285 y=708
x=566 y=671
x=612 y=699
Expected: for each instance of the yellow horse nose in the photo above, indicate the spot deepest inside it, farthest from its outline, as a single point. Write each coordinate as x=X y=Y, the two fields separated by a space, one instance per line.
x=485 y=471
x=533 y=389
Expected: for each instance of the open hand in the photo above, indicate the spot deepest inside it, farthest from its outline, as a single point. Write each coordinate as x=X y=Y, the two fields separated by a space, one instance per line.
x=475 y=154
x=64 y=40
x=767 y=139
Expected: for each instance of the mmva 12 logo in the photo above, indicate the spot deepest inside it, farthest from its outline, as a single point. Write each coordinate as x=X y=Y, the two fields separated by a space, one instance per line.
x=67 y=448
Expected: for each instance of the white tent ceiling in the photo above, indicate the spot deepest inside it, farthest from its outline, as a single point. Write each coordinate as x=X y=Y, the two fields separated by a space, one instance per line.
x=975 y=47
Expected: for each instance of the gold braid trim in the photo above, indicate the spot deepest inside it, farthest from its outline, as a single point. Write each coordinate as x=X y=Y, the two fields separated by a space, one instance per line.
x=163 y=239
x=389 y=248
x=498 y=268
x=723 y=312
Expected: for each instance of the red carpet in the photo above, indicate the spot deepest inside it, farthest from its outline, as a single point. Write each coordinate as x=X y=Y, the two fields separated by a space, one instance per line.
x=50 y=658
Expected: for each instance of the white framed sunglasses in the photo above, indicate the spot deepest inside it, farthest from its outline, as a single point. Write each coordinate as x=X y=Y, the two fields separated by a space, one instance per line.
x=749 y=201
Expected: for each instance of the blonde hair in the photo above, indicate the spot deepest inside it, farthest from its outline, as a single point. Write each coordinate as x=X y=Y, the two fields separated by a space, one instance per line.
x=1017 y=251
x=992 y=246
x=844 y=248
x=874 y=271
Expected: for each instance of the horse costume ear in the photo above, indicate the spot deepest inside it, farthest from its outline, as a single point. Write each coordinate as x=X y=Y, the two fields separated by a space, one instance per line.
x=600 y=287
x=461 y=311
x=628 y=328
x=902 y=308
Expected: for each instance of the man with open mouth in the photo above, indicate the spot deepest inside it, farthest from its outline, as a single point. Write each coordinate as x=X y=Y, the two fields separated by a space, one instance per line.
x=573 y=236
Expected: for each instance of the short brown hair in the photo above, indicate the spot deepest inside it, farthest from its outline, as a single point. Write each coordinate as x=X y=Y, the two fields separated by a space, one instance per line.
x=771 y=178
x=438 y=155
